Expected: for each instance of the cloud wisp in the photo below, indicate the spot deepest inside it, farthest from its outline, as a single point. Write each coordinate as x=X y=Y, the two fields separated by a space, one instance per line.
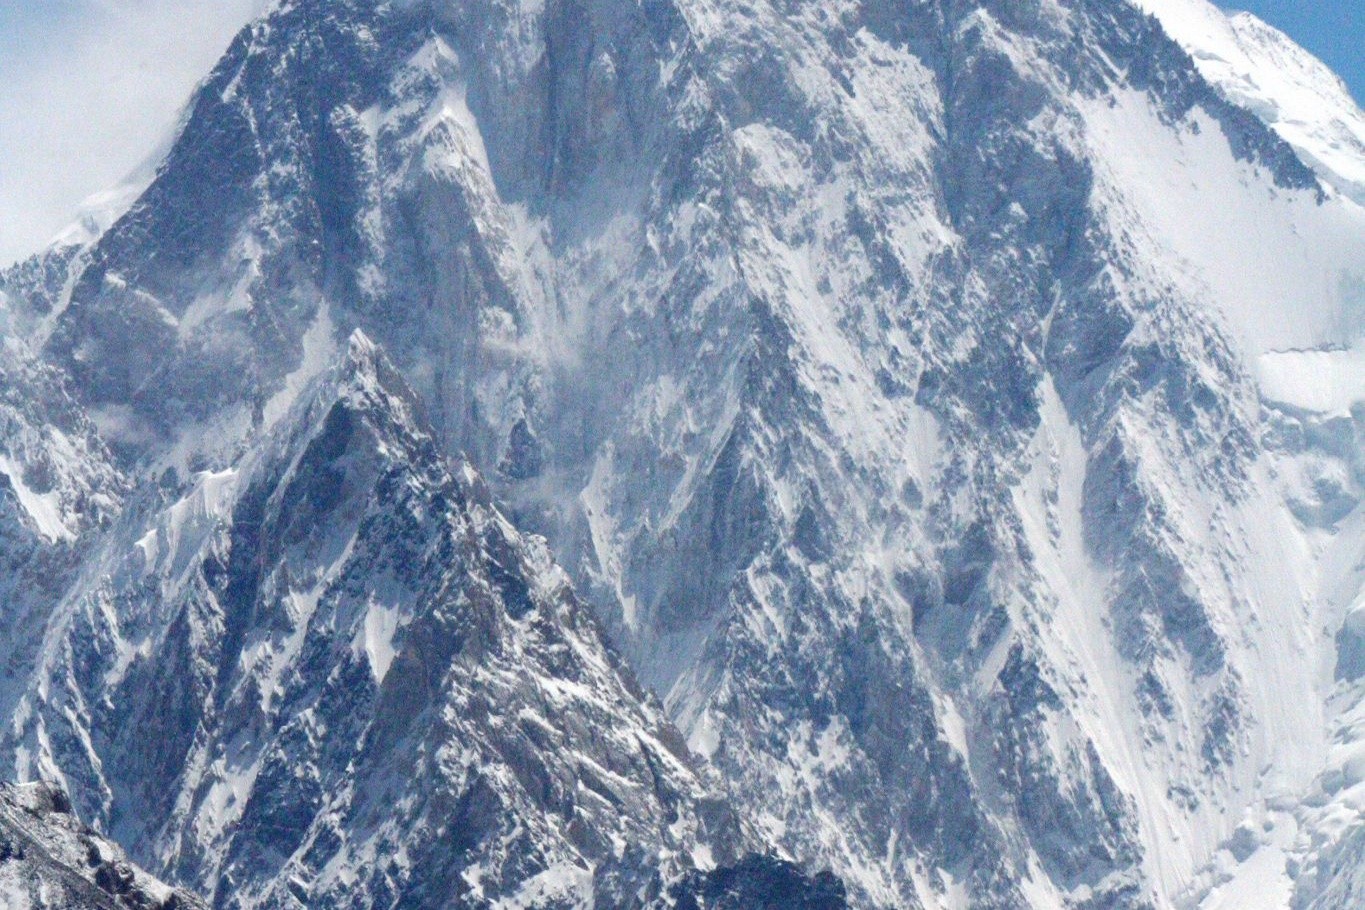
x=89 y=89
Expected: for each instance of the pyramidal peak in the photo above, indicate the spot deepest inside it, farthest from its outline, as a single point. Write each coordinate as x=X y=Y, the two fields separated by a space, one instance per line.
x=596 y=454
x=340 y=641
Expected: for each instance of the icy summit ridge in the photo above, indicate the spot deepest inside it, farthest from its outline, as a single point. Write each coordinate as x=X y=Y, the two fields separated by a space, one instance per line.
x=1258 y=67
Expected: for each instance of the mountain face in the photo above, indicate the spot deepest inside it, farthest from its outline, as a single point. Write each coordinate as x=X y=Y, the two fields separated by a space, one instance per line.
x=57 y=485
x=50 y=861
x=1258 y=67
x=952 y=412
x=332 y=674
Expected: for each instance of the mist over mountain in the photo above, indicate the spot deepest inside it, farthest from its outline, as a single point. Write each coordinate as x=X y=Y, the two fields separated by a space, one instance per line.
x=691 y=454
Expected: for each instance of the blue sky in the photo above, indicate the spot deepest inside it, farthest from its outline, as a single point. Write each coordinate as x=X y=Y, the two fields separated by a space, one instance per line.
x=1334 y=30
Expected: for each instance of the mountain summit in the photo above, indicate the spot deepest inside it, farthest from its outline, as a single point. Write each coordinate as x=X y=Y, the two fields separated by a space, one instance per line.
x=950 y=413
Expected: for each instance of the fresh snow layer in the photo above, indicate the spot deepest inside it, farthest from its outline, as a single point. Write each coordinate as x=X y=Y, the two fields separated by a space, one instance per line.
x=1215 y=222
x=1262 y=69
x=44 y=509
x=1328 y=381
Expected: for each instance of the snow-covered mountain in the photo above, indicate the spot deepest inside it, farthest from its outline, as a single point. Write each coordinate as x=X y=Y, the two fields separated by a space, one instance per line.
x=58 y=485
x=952 y=411
x=50 y=861
x=1260 y=68
x=332 y=674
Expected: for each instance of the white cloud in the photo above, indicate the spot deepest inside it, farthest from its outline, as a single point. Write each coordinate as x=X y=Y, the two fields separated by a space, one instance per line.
x=89 y=89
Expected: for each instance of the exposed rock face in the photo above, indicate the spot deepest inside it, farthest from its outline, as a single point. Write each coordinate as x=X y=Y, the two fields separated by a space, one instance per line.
x=58 y=490
x=50 y=861
x=951 y=411
x=759 y=883
x=335 y=675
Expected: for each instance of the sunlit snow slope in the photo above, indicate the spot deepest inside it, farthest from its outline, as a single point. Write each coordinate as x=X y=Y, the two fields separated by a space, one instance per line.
x=1262 y=69
x=951 y=411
